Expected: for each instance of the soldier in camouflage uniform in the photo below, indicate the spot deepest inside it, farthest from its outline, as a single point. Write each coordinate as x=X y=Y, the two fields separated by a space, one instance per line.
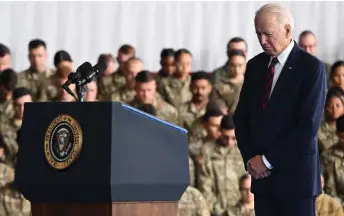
x=192 y=202
x=10 y=127
x=334 y=108
x=228 y=87
x=145 y=88
x=211 y=122
x=197 y=130
x=308 y=42
x=200 y=88
x=63 y=59
x=127 y=92
x=176 y=88
x=106 y=83
x=55 y=82
x=168 y=66
x=337 y=72
x=236 y=43
x=326 y=205
x=125 y=52
x=92 y=91
x=35 y=78
x=245 y=207
x=220 y=170
x=8 y=81
x=332 y=160
x=12 y=202
x=5 y=57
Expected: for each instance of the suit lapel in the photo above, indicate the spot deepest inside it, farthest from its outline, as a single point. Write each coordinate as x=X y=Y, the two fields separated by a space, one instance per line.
x=285 y=76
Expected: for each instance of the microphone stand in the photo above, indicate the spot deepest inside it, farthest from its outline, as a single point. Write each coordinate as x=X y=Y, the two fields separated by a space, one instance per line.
x=81 y=90
x=69 y=92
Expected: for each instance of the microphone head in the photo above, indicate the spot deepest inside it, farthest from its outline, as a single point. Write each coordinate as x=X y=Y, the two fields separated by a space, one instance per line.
x=100 y=68
x=84 y=68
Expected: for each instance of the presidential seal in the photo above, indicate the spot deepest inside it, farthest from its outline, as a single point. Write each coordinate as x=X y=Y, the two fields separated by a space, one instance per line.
x=63 y=142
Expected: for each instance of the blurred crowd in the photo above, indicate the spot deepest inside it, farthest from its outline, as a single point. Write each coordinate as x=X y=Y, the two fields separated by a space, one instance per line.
x=203 y=102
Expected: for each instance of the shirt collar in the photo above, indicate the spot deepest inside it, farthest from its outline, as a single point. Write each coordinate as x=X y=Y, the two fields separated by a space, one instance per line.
x=282 y=58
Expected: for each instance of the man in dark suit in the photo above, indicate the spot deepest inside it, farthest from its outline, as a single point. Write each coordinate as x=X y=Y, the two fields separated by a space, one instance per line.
x=278 y=116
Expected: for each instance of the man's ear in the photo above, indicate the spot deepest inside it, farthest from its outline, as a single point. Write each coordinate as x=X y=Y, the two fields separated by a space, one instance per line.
x=287 y=29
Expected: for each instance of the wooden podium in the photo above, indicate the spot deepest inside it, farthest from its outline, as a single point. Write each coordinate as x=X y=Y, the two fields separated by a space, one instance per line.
x=101 y=159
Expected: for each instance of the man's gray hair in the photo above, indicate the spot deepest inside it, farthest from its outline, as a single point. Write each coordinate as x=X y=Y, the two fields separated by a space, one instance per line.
x=283 y=15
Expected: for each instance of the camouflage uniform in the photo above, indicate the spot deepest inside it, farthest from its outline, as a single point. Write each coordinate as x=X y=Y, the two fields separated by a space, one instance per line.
x=175 y=91
x=107 y=85
x=197 y=131
x=52 y=88
x=8 y=130
x=12 y=202
x=327 y=136
x=7 y=109
x=159 y=76
x=35 y=81
x=189 y=113
x=240 y=210
x=328 y=206
x=220 y=171
x=192 y=172
x=220 y=73
x=123 y=94
x=333 y=162
x=164 y=110
x=196 y=145
x=192 y=203
x=228 y=92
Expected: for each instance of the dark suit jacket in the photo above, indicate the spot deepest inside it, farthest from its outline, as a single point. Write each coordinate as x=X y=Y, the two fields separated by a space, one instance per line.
x=286 y=131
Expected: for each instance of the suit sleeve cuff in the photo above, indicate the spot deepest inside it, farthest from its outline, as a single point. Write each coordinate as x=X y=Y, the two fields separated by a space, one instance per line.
x=266 y=162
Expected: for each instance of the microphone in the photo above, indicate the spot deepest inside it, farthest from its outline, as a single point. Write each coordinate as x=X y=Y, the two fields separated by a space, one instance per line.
x=89 y=75
x=75 y=77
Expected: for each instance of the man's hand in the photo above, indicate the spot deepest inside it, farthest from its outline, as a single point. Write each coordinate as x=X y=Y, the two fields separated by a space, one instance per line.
x=257 y=169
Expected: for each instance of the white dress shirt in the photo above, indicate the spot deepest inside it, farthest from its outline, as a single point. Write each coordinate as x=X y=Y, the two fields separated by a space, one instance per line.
x=282 y=58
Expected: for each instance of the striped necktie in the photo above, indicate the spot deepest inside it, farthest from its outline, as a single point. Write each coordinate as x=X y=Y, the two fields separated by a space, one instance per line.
x=268 y=82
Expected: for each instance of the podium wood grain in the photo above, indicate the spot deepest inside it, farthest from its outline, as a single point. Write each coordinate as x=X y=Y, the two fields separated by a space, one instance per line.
x=106 y=209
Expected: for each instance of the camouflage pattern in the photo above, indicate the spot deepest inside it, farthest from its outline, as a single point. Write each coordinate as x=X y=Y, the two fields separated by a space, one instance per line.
x=123 y=94
x=240 y=210
x=164 y=110
x=189 y=113
x=326 y=205
x=7 y=109
x=175 y=91
x=228 y=92
x=52 y=88
x=333 y=162
x=197 y=131
x=219 y=174
x=158 y=77
x=196 y=145
x=107 y=85
x=220 y=73
x=192 y=203
x=35 y=81
x=6 y=175
x=12 y=202
x=327 y=136
x=192 y=172
x=8 y=130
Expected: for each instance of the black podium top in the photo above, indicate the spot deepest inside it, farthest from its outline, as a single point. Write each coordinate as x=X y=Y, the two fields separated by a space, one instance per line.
x=99 y=152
